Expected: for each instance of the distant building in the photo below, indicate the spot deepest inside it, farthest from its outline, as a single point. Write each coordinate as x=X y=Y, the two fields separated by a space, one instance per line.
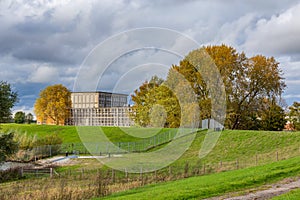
x=99 y=109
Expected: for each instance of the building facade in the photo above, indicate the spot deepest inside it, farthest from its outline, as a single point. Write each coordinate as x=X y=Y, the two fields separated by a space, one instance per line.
x=99 y=109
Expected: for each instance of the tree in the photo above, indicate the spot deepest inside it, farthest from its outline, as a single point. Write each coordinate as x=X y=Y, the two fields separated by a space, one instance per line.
x=19 y=117
x=54 y=103
x=8 y=98
x=143 y=101
x=272 y=117
x=247 y=82
x=155 y=105
x=28 y=118
x=7 y=146
x=294 y=115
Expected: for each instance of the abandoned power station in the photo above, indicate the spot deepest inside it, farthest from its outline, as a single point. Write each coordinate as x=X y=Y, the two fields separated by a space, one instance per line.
x=99 y=109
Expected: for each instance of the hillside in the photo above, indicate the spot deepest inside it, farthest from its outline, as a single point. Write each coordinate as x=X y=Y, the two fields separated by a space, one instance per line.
x=69 y=134
x=215 y=184
x=235 y=150
x=246 y=147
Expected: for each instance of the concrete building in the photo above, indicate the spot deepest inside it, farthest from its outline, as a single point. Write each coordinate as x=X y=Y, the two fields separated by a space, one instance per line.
x=99 y=109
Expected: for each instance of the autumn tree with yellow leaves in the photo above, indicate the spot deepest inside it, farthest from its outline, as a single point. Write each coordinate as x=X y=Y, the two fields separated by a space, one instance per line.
x=54 y=103
x=248 y=81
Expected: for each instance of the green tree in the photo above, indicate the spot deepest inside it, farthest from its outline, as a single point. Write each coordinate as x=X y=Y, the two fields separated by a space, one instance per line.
x=158 y=116
x=144 y=99
x=8 y=98
x=54 y=102
x=19 y=117
x=7 y=146
x=247 y=82
x=272 y=117
x=28 y=118
x=294 y=115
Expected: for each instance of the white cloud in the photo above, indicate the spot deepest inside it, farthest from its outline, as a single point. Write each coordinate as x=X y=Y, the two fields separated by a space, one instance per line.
x=25 y=109
x=44 y=74
x=45 y=41
x=278 y=35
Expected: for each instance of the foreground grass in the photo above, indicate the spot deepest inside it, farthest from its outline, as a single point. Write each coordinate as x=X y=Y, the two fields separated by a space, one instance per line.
x=87 y=185
x=233 y=150
x=292 y=195
x=215 y=184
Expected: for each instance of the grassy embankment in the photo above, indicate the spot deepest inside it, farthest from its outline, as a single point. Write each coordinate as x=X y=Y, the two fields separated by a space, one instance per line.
x=215 y=184
x=233 y=150
x=69 y=134
x=292 y=195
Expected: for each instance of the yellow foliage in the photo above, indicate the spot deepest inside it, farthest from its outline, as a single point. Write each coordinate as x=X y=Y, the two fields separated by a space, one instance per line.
x=54 y=103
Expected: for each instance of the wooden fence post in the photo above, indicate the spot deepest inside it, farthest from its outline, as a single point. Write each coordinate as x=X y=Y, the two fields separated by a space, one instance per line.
x=51 y=172
x=82 y=172
x=126 y=173
x=21 y=171
x=141 y=175
x=256 y=160
x=113 y=175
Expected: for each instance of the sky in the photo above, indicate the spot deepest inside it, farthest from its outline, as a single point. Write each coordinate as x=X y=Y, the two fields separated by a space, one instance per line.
x=45 y=42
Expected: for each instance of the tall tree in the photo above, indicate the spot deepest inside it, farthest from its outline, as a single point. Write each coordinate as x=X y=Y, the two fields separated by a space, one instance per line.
x=272 y=116
x=262 y=79
x=155 y=105
x=294 y=115
x=19 y=117
x=8 y=98
x=247 y=81
x=54 y=103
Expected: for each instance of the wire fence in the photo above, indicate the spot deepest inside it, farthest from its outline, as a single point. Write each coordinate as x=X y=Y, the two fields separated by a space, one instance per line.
x=82 y=183
x=102 y=148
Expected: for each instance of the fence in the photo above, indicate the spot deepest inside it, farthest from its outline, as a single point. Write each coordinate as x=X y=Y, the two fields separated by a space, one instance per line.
x=121 y=147
x=100 y=148
x=38 y=172
x=82 y=183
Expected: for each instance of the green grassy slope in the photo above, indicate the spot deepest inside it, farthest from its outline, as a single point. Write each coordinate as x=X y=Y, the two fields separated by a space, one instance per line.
x=69 y=134
x=247 y=147
x=292 y=195
x=215 y=184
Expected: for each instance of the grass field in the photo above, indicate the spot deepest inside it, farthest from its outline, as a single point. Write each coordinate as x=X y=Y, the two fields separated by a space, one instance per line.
x=292 y=195
x=234 y=150
x=215 y=184
x=69 y=134
x=249 y=147
x=79 y=186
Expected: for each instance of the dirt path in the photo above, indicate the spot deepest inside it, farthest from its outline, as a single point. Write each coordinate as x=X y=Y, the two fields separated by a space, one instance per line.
x=264 y=192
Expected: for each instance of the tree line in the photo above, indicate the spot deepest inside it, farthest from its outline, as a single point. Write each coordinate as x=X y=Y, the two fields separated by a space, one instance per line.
x=253 y=87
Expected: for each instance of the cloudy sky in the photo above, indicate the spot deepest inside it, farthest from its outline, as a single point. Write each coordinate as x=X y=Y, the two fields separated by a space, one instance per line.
x=44 y=42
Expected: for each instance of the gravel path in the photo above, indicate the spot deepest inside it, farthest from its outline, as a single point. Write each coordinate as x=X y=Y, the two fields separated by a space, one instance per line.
x=273 y=190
